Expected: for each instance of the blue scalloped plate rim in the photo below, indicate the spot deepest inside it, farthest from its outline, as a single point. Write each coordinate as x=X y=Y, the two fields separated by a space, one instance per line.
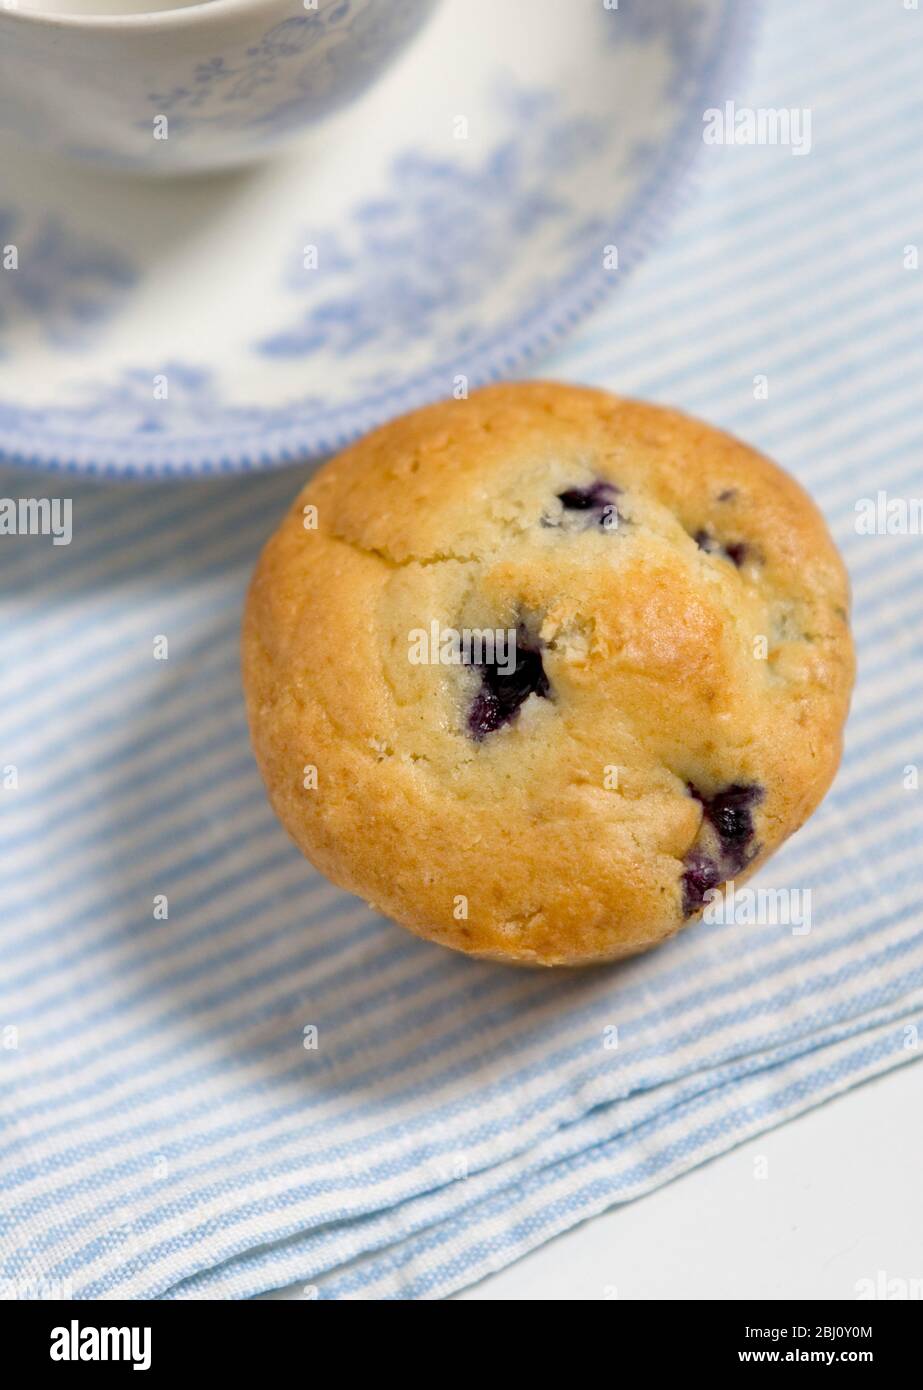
x=509 y=351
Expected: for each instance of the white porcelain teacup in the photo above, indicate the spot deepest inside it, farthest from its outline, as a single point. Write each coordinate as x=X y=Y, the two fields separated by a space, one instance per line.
x=163 y=86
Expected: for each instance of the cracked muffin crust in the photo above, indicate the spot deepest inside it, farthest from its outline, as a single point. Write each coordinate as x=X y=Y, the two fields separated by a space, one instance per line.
x=670 y=706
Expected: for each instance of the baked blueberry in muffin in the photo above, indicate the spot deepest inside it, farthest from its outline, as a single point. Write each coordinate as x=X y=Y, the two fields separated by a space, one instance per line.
x=563 y=662
x=505 y=687
x=727 y=828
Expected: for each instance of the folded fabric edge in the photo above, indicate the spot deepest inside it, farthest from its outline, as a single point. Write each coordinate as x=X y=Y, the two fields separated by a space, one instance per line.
x=322 y=1251
x=454 y=1255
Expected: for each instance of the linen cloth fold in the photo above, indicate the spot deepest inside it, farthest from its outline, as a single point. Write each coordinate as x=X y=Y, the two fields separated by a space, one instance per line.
x=165 y=1131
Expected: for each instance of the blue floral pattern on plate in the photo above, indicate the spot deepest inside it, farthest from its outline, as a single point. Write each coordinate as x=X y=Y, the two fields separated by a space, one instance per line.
x=61 y=282
x=326 y=56
x=447 y=262
x=412 y=260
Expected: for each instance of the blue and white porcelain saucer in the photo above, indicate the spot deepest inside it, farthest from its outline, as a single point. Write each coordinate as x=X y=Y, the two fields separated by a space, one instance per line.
x=444 y=230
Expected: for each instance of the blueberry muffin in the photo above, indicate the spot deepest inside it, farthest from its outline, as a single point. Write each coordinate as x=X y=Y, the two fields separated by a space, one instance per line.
x=535 y=671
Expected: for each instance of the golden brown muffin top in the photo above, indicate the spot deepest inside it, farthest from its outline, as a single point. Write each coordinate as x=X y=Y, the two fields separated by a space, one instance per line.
x=683 y=669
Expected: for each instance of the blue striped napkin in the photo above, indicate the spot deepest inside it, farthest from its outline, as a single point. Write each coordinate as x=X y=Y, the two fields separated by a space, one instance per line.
x=168 y=1129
